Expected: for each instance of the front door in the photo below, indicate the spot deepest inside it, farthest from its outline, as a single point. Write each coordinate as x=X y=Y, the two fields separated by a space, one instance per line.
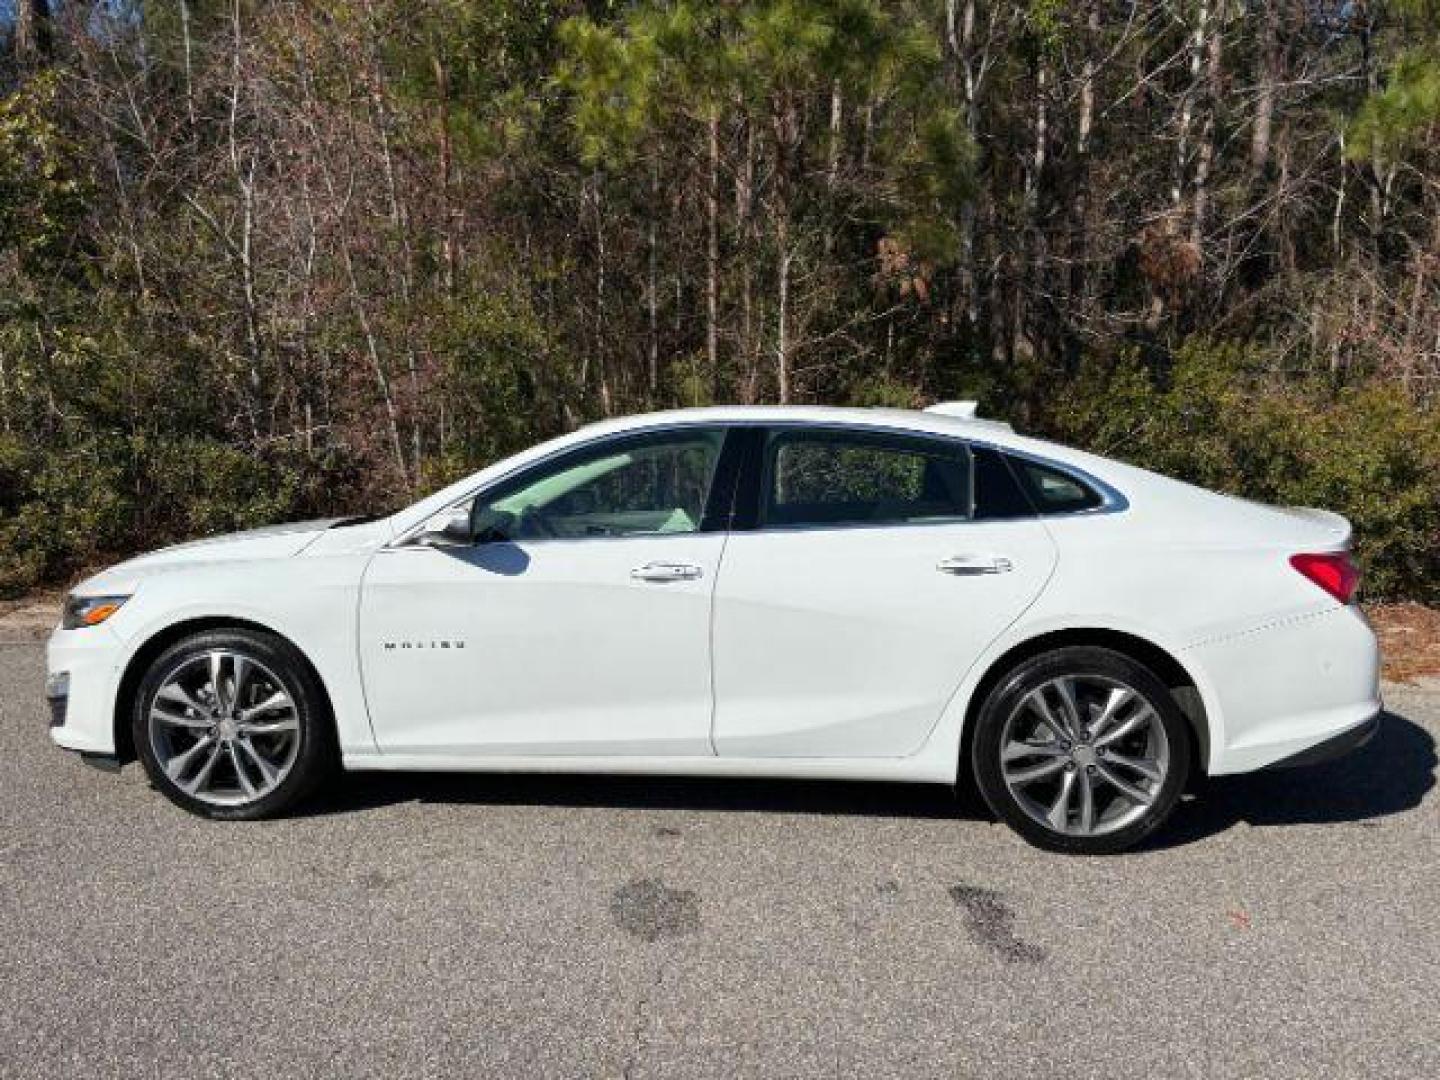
x=847 y=614
x=579 y=623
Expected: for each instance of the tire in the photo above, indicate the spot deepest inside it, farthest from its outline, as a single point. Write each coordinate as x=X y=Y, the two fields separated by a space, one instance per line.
x=242 y=756
x=1094 y=789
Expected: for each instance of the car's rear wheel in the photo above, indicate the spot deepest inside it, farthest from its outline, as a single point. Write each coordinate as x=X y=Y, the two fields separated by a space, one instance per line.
x=232 y=724
x=1081 y=750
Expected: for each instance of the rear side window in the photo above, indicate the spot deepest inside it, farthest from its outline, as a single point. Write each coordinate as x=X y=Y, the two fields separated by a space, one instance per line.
x=838 y=478
x=1053 y=491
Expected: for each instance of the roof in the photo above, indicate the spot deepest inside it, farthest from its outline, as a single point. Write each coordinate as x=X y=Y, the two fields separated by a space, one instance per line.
x=943 y=420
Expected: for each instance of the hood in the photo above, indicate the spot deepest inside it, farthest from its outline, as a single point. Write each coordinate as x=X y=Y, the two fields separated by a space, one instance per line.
x=271 y=542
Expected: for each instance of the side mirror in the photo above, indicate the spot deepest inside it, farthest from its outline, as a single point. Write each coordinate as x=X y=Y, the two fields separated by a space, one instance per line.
x=490 y=526
x=449 y=528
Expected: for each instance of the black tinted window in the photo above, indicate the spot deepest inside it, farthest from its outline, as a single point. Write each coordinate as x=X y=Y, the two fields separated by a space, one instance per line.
x=1053 y=491
x=825 y=478
x=997 y=492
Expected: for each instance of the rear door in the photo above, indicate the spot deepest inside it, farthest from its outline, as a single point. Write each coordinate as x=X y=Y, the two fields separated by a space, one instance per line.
x=857 y=589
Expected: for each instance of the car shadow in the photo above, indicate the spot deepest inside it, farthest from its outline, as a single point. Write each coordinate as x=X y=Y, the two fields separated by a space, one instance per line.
x=1390 y=774
x=365 y=790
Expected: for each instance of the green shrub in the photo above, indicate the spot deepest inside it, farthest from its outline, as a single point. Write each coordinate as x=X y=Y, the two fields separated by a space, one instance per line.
x=99 y=499
x=81 y=495
x=1222 y=420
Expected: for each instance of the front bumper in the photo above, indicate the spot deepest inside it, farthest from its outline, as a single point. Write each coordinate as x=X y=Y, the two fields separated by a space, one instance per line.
x=81 y=678
x=57 y=696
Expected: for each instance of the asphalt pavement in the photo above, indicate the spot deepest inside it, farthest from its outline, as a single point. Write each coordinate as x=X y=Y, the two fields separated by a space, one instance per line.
x=1284 y=924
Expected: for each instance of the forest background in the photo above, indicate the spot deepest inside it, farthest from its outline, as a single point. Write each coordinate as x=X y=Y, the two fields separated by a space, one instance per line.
x=267 y=260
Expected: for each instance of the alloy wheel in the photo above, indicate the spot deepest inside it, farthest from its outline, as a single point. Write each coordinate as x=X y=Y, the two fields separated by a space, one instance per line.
x=1084 y=755
x=224 y=728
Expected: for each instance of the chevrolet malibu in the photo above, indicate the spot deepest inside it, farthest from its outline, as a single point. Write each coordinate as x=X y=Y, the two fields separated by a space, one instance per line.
x=780 y=592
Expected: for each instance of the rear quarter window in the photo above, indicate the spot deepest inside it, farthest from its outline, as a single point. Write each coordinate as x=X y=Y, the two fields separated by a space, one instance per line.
x=1054 y=491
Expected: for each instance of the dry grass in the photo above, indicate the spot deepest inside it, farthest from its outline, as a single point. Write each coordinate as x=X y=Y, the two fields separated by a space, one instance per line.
x=29 y=619
x=1409 y=639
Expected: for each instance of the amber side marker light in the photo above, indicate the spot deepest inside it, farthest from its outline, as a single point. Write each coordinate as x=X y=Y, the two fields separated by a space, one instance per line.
x=90 y=610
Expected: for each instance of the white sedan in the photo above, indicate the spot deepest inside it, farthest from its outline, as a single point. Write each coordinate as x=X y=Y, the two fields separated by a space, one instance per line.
x=782 y=592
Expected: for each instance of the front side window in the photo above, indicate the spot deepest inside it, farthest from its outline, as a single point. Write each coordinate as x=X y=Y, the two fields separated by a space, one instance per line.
x=649 y=485
x=838 y=478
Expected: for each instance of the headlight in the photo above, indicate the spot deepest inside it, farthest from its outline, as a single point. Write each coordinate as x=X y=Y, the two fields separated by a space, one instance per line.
x=89 y=610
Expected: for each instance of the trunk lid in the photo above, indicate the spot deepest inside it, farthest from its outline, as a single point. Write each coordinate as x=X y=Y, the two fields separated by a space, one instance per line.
x=1330 y=529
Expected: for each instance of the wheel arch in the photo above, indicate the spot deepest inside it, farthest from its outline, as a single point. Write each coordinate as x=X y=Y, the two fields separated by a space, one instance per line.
x=141 y=659
x=1174 y=674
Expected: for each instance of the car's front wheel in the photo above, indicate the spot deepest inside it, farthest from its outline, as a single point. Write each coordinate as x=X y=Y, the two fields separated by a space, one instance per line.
x=1081 y=750
x=232 y=724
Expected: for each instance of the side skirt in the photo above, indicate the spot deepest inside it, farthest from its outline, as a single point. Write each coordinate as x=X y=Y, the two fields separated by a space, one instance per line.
x=899 y=770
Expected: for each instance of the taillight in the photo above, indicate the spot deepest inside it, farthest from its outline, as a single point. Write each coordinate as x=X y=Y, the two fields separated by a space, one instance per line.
x=1335 y=572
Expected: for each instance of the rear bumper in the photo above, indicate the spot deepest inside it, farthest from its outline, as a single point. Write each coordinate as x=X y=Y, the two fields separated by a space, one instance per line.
x=1287 y=689
x=1334 y=747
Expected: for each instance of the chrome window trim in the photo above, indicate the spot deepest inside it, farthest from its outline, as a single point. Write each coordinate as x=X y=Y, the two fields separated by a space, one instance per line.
x=1112 y=501
x=404 y=540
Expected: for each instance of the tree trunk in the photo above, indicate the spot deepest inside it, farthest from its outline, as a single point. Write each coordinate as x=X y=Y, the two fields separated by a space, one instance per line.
x=960 y=40
x=1206 y=153
x=1042 y=130
x=1080 y=207
x=377 y=366
x=445 y=155
x=599 y=349
x=32 y=36
x=747 y=234
x=1282 y=206
x=1370 y=65
x=1187 y=104
x=652 y=298
x=4 y=396
x=782 y=313
x=309 y=377
x=189 y=77
x=786 y=124
x=1269 y=57
x=832 y=168
x=400 y=225
x=1337 y=217
x=247 y=278
x=245 y=187
x=712 y=257
x=1029 y=281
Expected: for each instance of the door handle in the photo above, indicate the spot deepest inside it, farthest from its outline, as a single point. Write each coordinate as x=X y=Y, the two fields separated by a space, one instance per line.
x=970 y=565
x=666 y=571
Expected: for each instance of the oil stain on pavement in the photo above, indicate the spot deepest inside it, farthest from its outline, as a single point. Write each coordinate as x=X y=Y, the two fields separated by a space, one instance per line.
x=650 y=910
x=991 y=922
